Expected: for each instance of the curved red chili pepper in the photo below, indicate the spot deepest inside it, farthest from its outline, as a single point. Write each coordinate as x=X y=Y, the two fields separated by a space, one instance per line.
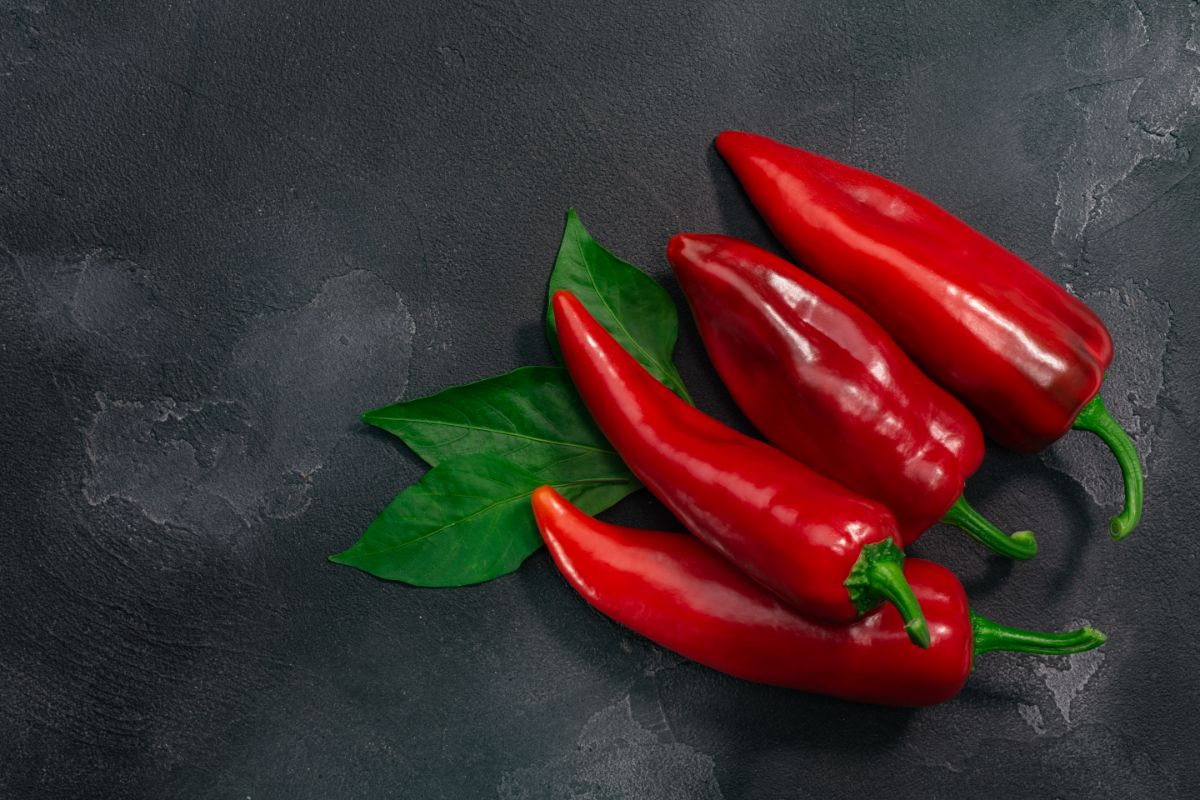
x=825 y=384
x=831 y=554
x=1026 y=357
x=675 y=591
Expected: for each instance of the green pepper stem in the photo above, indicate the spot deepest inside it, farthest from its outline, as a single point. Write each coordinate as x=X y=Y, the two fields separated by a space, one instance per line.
x=962 y=515
x=991 y=636
x=879 y=575
x=1095 y=418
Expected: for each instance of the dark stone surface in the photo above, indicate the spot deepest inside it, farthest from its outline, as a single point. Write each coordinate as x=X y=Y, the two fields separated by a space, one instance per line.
x=226 y=228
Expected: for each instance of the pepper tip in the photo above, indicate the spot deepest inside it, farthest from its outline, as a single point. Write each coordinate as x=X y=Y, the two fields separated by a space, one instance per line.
x=726 y=139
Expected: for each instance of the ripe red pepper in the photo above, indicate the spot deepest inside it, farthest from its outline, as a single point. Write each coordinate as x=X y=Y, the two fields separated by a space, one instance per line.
x=675 y=591
x=1025 y=356
x=826 y=385
x=830 y=553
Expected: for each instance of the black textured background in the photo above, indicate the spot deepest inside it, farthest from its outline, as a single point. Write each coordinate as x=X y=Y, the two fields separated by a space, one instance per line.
x=228 y=227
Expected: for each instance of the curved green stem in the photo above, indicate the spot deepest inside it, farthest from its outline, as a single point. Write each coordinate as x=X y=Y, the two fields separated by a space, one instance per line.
x=990 y=636
x=878 y=575
x=1020 y=545
x=1095 y=418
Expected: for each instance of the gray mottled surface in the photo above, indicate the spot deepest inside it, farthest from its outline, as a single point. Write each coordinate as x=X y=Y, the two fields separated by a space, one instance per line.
x=226 y=228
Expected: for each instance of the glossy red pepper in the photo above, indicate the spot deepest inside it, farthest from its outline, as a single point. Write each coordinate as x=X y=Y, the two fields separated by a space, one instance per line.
x=675 y=591
x=832 y=554
x=826 y=385
x=1024 y=355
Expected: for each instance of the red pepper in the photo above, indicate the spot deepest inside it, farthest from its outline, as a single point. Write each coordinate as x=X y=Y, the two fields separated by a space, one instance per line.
x=828 y=386
x=675 y=591
x=830 y=553
x=1025 y=356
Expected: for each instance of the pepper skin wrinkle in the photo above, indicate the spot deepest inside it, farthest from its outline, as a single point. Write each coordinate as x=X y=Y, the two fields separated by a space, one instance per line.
x=828 y=386
x=804 y=537
x=677 y=592
x=1018 y=350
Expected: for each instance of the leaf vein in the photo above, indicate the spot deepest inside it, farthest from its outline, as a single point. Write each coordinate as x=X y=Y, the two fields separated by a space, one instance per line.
x=501 y=432
x=498 y=503
x=612 y=311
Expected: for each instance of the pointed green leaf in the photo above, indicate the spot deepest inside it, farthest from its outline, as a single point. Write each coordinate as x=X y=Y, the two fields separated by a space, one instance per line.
x=531 y=417
x=466 y=521
x=627 y=302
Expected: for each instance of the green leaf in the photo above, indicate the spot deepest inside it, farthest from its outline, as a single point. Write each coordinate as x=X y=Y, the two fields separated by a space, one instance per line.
x=491 y=443
x=466 y=521
x=532 y=417
x=627 y=302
